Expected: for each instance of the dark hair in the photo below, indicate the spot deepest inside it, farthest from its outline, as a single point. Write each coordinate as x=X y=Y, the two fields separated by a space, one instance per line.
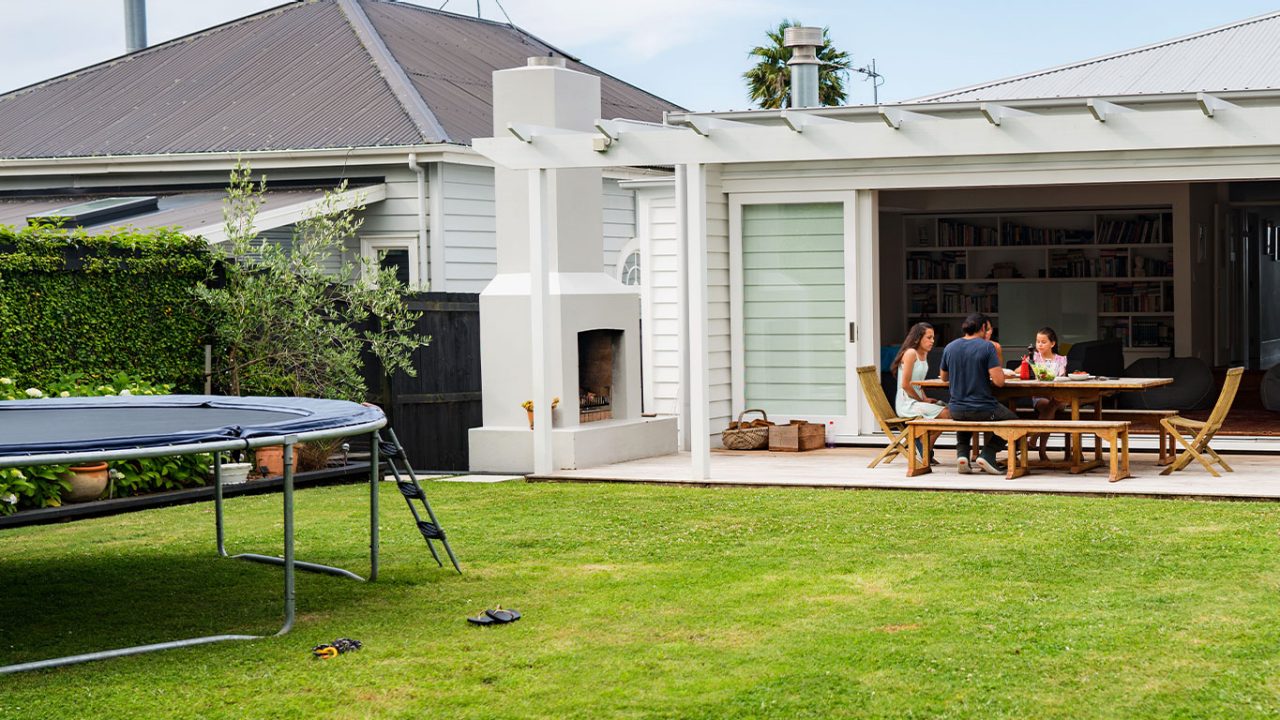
x=974 y=323
x=1053 y=337
x=914 y=336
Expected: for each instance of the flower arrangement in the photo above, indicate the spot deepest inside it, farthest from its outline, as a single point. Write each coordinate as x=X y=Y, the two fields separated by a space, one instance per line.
x=528 y=406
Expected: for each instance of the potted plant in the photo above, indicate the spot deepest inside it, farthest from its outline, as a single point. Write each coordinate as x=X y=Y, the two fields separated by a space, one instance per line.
x=88 y=482
x=528 y=407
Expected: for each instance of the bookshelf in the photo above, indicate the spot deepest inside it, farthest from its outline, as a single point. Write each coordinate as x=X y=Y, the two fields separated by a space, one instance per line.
x=956 y=263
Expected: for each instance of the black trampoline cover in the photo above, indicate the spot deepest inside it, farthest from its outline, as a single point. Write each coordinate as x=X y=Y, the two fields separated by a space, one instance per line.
x=65 y=425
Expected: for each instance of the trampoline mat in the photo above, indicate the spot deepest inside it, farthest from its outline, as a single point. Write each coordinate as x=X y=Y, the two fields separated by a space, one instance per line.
x=58 y=425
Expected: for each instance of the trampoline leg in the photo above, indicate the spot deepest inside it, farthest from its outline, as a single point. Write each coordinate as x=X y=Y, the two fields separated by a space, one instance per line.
x=288 y=537
x=373 y=506
x=217 y=503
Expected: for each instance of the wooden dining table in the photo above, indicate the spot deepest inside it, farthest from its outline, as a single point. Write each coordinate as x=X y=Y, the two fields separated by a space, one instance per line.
x=1073 y=394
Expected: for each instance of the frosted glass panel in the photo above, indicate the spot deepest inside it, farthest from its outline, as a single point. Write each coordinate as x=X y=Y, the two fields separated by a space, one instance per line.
x=793 y=309
x=1070 y=308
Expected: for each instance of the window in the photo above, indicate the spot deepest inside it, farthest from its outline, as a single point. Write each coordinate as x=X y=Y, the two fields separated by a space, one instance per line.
x=630 y=273
x=399 y=253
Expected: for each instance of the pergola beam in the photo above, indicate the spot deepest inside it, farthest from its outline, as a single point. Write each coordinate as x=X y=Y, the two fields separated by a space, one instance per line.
x=1100 y=109
x=1209 y=103
x=525 y=132
x=704 y=126
x=798 y=121
x=995 y=113
x=895 y=116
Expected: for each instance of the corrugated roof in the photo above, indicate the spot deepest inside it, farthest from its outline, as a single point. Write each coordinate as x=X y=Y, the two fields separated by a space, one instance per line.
x=1243 y=55
x=188 y=210
x=299 y=76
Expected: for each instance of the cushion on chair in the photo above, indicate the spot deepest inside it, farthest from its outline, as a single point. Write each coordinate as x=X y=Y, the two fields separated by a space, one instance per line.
x=1193 y=386
x=1271 y=389
x=1097 y=357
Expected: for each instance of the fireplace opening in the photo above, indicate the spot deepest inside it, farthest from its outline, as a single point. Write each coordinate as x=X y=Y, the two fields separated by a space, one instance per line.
x=597 y=359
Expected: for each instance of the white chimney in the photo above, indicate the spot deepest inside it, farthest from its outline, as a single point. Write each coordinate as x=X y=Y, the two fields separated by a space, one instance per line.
x=804 y=43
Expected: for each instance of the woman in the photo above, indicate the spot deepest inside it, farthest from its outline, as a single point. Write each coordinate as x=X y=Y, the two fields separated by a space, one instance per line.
x=912 y=364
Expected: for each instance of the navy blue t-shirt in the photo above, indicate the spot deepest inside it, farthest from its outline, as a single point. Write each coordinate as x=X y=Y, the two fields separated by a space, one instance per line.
x=968 y=364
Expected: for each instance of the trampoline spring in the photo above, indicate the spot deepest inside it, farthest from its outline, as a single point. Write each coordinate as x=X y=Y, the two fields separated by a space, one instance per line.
x=411 y=490
x=430 y=530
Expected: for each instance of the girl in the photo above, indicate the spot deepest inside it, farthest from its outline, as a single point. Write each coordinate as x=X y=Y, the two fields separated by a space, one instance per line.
x=1047 y=356
x=910 y=364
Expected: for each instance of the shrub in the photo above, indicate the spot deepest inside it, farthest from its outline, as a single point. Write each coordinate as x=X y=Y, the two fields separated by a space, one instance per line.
x=101 y=305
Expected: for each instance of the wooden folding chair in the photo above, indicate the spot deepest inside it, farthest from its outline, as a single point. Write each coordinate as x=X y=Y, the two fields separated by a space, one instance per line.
x=1198 y=446
x=894 y=427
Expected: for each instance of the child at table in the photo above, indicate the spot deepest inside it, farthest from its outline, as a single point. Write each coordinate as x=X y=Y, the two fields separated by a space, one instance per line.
x=1046 y=355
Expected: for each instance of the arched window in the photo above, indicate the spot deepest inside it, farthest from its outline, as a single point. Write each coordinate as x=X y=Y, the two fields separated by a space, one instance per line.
x=630 y=272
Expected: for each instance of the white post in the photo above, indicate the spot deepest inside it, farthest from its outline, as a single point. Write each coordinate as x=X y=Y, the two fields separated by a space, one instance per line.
x=543 y=462
x=682 y=305
x=699 y=376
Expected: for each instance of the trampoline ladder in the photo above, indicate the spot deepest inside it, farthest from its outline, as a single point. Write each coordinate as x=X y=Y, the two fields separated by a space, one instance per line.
x=393 y=454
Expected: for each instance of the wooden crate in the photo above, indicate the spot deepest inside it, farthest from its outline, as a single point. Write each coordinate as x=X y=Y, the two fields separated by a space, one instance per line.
x=797 y=436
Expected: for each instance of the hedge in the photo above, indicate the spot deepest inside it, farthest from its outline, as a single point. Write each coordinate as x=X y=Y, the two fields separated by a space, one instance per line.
x=102 y=305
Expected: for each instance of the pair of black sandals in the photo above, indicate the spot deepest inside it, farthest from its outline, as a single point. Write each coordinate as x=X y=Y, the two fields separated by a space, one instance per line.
x=496 y=616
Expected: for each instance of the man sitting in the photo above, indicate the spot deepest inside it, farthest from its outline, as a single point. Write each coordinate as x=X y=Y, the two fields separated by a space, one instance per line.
x=971 y=366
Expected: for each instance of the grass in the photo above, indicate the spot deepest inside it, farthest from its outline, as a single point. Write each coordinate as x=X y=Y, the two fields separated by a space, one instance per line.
x=665 y=602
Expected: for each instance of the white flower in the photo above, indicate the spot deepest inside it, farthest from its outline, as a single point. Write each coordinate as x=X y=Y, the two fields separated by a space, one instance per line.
x=5 y=381
x=10 y=498
x=64 y=393
x=125 y=392
x=32 y=392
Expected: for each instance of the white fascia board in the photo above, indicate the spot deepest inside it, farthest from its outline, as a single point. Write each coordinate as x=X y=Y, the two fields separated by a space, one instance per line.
x=224 y=161
x=1180 y=128
x=289 y=214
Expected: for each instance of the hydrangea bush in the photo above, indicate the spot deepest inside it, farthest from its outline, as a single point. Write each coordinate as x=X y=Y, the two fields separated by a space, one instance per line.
x=42 y=486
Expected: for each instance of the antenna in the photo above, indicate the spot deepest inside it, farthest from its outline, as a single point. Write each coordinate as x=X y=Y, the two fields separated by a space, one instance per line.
x=495 y=2
x=876 y=79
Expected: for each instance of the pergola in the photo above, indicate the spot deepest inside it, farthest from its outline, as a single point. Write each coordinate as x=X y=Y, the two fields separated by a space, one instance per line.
x=1181 y=137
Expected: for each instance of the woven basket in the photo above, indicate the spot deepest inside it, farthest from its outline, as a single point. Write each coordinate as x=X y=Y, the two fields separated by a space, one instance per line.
x=746 y=438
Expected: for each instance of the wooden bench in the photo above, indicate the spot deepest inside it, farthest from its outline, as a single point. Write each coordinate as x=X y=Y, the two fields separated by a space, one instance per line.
x=1145 y=418
x=1114 y=432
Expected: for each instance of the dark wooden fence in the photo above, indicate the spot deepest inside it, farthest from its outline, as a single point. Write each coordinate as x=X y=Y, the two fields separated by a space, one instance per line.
x=432 y=412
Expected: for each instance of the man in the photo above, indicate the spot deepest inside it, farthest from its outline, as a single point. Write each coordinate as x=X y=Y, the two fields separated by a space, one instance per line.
x=971 y=366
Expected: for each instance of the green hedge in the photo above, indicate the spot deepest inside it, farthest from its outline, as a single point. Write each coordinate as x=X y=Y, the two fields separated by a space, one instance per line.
x=102 y=305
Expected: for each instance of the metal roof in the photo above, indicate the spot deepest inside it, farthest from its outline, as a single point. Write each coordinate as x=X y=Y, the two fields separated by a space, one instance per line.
x=188 y=211
x=306 y=75
x=1243 y=55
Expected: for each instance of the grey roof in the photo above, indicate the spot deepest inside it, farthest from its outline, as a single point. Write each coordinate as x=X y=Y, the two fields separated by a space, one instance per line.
x=1243 y=55
x=309 y=74
x=187 y=210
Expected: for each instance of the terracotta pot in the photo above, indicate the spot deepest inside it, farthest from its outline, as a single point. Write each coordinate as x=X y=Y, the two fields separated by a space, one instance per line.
x=270 y=460
x=87 y=482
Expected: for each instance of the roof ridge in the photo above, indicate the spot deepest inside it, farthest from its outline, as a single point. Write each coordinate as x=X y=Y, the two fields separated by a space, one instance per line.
x=1199 y=34
x=415 y=106
x=281 y=8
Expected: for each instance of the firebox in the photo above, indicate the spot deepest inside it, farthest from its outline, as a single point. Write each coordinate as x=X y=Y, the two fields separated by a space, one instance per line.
x=598 y=355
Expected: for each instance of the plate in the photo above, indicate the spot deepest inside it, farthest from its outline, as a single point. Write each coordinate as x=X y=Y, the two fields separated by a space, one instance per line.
x=1080 y=377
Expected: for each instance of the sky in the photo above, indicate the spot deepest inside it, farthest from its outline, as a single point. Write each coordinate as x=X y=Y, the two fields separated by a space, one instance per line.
x=693 y=52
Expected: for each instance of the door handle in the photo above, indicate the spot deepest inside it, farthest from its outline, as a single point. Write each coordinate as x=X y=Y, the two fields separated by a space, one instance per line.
x=853 y=332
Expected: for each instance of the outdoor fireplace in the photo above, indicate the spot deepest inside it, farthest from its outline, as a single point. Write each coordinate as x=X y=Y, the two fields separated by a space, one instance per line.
x=597 y=359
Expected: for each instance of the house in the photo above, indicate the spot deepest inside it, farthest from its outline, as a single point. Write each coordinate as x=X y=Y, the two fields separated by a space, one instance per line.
x=385 y=95
x=1133 y=196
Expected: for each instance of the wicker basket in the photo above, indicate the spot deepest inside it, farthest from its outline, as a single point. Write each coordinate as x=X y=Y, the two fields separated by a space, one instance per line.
x=740 y=437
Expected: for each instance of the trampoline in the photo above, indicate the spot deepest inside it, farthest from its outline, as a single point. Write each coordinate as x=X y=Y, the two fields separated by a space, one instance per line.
x=74 y=430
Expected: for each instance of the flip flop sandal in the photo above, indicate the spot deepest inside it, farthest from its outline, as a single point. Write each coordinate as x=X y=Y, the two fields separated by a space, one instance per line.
x=503 y=616
x=483 y=619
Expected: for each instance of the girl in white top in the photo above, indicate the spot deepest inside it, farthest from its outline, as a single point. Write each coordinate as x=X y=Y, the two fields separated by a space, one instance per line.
x=912 y=364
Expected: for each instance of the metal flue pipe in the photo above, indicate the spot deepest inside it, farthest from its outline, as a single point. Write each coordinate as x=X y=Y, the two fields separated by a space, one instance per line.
x=804 y=43
x=135 y=25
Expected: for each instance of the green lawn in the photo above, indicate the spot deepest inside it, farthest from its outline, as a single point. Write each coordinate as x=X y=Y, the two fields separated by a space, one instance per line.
x=664 y=602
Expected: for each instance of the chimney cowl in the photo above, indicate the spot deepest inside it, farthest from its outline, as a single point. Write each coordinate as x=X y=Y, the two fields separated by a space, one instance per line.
x=545 y=61
x=804 y=43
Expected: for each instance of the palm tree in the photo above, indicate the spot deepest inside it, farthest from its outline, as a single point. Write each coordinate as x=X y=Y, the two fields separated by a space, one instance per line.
x=769 y=81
